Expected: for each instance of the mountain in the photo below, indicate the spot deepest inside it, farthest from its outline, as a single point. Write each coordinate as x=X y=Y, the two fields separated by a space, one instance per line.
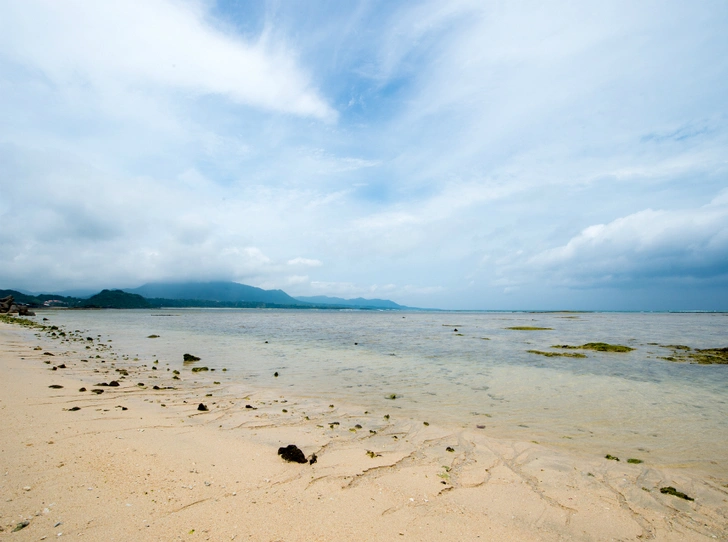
x=116 y=299
x=226 y=292
x=358 y=302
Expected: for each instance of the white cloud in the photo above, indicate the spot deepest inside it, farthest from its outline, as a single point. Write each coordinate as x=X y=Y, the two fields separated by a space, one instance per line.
x=305 y=262
x=168 y=44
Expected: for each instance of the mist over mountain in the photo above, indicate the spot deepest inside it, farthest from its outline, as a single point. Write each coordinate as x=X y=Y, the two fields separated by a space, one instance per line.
x=213 y=291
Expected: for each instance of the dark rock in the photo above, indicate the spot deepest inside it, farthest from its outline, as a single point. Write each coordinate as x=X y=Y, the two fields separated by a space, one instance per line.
x=292 y=454
x=20 y=526
x=48 y=354
x=611 y=457
x=114 y=384
x=251 y=406
x=449 y=449
x=669 y=490
x=82 y=389
x=55 y=386
x=74 y=409
x=199 y=369
x=189 y=358
x=313 y=459
x=97 y=392
x=275 y=374
x=202 y=407
x=62 y=366
x=156 y=388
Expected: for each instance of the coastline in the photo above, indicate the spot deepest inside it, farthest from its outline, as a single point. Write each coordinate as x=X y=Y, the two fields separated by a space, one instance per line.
x=154 y=472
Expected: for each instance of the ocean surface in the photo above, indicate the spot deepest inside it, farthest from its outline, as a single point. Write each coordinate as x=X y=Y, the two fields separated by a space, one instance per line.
x=463 y=370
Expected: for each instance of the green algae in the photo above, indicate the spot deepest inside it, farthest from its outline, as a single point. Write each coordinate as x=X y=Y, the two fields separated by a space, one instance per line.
x=530 y=328
x=634 y=461
x=701 y=356
x=597 y=347
x=611 y=457
x=199 y=369
x=557 y=354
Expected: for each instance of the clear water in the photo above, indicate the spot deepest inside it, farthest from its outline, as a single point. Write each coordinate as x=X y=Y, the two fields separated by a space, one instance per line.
x=629 y=404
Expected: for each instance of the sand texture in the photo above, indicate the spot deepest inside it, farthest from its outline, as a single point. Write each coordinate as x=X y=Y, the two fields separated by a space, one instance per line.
x=135 y=463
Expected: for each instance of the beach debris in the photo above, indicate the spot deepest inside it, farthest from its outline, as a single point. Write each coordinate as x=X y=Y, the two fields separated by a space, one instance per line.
x=611 y=457
x=597 y=347
x=292 y=454
x=557 y=354
x=669 y=490
x=373 y=454
x=55 y=386
x=202 y=407
x=20 y=526
x=530 y=328
x=189 y=358
x=634 y=461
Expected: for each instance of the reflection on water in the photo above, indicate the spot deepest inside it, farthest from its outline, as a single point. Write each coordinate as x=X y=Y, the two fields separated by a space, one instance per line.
x=631 y=403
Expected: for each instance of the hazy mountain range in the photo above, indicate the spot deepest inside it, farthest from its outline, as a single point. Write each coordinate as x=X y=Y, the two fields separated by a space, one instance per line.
x=195 y=294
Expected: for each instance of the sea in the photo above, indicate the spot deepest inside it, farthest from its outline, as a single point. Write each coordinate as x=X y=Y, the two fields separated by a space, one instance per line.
x=464 y=370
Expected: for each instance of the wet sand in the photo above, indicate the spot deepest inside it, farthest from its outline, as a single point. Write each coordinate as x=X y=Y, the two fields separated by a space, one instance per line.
x=135 y=463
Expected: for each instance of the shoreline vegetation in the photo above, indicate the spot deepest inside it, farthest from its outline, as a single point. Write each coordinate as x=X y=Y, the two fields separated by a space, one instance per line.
x=118 y=448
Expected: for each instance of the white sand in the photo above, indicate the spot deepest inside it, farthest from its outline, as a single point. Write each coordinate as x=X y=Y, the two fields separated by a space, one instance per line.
x=155 y=472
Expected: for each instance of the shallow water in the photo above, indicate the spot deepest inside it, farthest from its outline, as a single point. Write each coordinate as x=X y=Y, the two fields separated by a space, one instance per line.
x=627 y=404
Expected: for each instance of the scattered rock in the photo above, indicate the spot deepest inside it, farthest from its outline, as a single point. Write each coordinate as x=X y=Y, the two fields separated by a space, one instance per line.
x=611 y=457
x=392 y=396
x=74 y=409
x=275 y=374
x=20 y=526
x=81 y=389
x=597 y=347
x=48 y=354
x=199 y=369
x=449 y=449
x=55 y=386
x=292 y=454
x=62 y=366
x=153 y=337
x=202 y=407
x=669 y=490
x=634 y=461
x=189 y=358
x=114 y=384
x=557 y=354
x=313 y=459
x=530 y=328
x=97 y=391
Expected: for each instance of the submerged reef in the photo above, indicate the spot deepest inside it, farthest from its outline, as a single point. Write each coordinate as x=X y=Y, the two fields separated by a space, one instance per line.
x=530 y=328
x=704 y=356
x=557 y=354
x=598 y=347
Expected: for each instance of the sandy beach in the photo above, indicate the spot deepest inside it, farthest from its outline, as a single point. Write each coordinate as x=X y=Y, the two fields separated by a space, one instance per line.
x=138 y=463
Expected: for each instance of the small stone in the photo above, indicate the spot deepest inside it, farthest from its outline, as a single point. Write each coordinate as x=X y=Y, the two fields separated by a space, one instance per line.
x=26 y=488
x=74 y=409
x=449 y=449
x=55 y=386
x=202 y=407
x=20 y=526
x=81 y=389
x=275 y=374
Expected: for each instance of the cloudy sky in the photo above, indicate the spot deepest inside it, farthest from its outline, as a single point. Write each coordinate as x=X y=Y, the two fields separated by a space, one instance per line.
x=467 y=154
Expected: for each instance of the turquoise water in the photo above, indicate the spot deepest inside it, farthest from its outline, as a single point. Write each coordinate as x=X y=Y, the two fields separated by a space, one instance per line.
x=630 y=404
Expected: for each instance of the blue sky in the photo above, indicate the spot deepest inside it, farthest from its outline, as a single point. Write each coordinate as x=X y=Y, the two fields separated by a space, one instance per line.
x=462 y=154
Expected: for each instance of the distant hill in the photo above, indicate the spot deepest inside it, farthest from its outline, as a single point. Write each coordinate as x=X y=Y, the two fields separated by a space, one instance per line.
x=37 y=300
x=225 y=292
x=358 y=302
x=115 y=299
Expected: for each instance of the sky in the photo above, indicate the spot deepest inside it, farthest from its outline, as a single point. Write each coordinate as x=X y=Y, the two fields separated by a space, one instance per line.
x=468 y=154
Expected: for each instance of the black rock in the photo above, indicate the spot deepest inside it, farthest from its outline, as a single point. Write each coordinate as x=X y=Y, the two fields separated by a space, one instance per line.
x=190 y=357
x=275 y=374
x=81 y=389
x=202 y=407
x=97 y=392
x=74 y=409
x=156 y=388
x=48 y=354
x=114 y=384
x=292 y=454
x=62 y=366
x=313 y=459
x=55 y=386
